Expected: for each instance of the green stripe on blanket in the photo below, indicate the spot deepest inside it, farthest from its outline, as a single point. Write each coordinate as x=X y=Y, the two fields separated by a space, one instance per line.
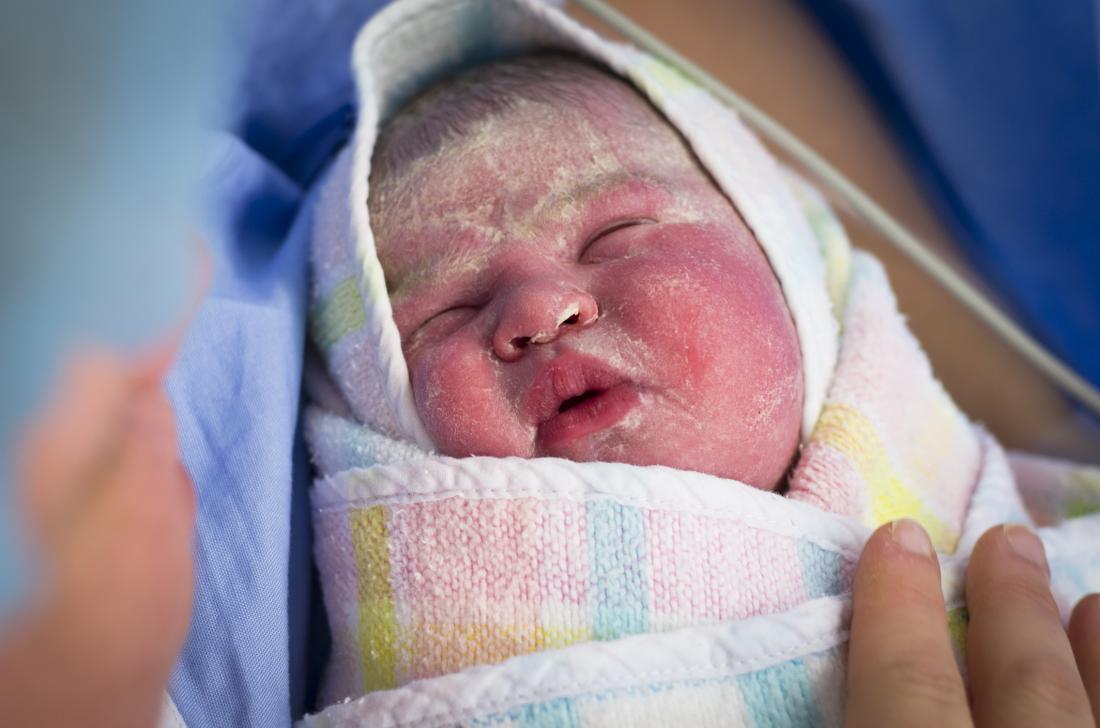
x=338 y=315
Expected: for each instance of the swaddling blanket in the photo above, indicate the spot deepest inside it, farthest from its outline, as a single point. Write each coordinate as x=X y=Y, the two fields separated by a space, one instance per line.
x=506 y=591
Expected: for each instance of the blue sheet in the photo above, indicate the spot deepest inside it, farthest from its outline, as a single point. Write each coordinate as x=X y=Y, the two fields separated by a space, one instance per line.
x=998 y=106
x=236 y=386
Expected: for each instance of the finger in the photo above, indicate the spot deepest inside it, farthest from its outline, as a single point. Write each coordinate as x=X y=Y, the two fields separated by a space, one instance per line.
x=91 y=390
x=1021 y=666
x=77 y=433
x=154 y=436
x=1084 y=636
x=152 y=364
x=152 y=418
x=900 y=666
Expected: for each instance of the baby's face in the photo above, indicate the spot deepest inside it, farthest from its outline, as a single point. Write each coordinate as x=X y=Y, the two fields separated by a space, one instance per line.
x=567 y=282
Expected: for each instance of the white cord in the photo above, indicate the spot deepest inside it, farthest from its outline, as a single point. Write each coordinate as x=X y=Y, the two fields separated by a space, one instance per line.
x=825 y=174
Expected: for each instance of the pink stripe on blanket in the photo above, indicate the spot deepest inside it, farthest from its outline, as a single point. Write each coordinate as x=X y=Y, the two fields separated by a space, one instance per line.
x=701 y=570
x=478 y=580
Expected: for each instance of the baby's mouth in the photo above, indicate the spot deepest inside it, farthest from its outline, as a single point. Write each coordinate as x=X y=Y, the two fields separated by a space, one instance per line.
x=574 y=396
x=579 y=399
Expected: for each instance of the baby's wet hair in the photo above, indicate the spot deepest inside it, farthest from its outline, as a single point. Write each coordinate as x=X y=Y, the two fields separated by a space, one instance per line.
x=451 y=107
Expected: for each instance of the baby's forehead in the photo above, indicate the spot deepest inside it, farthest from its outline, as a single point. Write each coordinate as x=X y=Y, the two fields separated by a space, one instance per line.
x=455 y=108
x=561 y=145
x=529 y=173
x=521 y=168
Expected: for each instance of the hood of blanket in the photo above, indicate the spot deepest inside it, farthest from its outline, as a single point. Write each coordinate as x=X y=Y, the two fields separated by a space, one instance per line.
x=411 y=44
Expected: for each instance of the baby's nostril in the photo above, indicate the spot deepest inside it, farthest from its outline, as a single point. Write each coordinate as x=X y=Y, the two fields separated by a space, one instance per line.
x=572 y=319
x=521 y=342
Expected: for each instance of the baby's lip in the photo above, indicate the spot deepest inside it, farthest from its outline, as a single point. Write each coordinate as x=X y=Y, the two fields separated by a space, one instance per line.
x=566 y=376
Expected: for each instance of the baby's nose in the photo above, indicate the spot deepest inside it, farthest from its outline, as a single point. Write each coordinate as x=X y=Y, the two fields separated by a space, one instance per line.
x=538 y=313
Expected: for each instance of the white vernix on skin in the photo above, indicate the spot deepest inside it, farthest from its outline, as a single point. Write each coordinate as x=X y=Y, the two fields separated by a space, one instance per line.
x=396 y=55
x=543 y=337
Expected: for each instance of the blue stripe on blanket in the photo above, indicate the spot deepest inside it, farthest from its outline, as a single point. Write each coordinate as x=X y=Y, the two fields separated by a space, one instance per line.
x=780 y=695
x=821 y=571
x=559 y=713
x=616 y=541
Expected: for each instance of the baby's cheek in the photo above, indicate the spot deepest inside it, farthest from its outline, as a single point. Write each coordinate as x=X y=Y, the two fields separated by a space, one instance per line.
x=725 y=350
x=461 y=403
x=679 y=316
x=756 y=372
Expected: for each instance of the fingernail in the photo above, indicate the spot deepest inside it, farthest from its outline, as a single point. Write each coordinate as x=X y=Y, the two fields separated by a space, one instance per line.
x=908 y=534
x=1026 y=544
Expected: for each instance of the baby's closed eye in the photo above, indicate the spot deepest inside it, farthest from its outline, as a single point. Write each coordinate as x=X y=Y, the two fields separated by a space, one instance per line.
x=442 y=322
x=613 y=241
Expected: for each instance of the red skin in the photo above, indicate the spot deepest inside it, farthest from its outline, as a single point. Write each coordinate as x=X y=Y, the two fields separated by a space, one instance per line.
x=485 y=242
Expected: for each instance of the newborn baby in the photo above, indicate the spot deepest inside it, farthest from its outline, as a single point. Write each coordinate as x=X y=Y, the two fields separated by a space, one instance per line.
x=567 y=280
x=687 y=398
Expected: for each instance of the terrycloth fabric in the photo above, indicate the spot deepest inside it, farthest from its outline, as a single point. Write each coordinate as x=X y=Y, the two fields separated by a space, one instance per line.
x=688 y=600
x=889 y=442
x=545 y=592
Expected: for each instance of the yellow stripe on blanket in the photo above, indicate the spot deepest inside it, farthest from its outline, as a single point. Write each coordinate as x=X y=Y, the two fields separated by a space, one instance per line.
x=338 y=315
x=440 y=648
x=849 y=432
x=667 y=77
x=377 y=618
x=1083 y=496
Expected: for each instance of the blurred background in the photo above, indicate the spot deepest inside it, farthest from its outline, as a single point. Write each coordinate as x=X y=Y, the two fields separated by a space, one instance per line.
x=102 y=107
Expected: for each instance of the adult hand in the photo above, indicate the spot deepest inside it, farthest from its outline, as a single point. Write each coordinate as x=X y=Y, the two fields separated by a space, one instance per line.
x=1024 y=669
x=111 y=512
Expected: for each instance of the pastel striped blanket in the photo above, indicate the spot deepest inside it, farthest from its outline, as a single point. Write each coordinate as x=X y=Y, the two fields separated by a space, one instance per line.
x=503 y=591
x=721 y=634
x=437 y=566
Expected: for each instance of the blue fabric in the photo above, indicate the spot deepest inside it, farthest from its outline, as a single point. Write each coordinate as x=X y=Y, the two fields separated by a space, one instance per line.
x=235 y=389
x=237 y=384
x=998 y=105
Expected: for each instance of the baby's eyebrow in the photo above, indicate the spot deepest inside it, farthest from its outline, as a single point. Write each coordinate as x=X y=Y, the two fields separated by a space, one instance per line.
x=473 y=254
x=470 y=255
x=608 y=184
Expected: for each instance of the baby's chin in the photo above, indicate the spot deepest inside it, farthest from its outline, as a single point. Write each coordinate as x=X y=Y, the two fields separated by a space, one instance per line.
x=636 y=426
x=641 y=440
